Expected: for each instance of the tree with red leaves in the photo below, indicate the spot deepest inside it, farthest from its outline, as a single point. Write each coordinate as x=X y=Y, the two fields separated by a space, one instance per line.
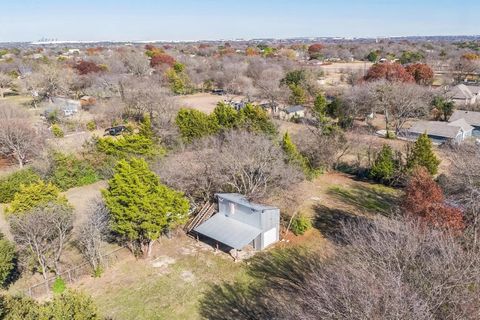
x=162 y=58
x=85 y=67
x=424 y=201
x=393 y=72
x=421 y=72
x=314 y=50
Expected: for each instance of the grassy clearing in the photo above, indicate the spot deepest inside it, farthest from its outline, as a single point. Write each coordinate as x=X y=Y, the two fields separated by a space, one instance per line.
x=135 y=289
x=367 y=198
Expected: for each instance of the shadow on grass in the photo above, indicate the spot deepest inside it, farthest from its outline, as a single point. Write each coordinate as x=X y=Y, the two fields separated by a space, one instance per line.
x=373 y=199
x=270 y=274
x=331 y=221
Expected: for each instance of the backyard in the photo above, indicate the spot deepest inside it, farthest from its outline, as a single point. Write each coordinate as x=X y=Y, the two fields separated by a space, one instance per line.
x=171 y=284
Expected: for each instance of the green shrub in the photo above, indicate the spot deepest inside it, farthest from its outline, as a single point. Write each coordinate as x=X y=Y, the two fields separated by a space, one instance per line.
x=67 y=172
x=59 y=286
x=57 y=131
x=300 y=224
x=384 y=166
x=97 y=272
x=12 y=183
x=128 y=145
x=35 y=195
x=7 y=260
x=194 y=124
x=91 y=125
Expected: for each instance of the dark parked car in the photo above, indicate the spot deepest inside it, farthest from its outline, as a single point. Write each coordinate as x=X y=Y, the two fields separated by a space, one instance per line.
x=114 y=131
x=218 y=92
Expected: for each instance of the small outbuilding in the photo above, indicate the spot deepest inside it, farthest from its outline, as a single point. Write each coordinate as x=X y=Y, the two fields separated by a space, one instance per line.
x=240 y=223
x=297 y=111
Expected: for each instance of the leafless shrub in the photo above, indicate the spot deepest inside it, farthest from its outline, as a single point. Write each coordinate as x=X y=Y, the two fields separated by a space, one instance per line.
x=463 y=183
x=92 y=234
x=43 y=232
x=18 y=137
x=238 y=161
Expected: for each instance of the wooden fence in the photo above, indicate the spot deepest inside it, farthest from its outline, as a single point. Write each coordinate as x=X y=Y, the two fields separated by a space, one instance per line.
x=71 y=275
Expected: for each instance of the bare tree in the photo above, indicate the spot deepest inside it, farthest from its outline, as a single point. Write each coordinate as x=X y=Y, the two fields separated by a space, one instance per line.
x=397 y=101
x=136 y=63
x=18 y=137
x=48 y=82
x=92 y=234
x=43 y=232
x=6 y=83
x=239 y=161
x=463 y=184
x=148 y=98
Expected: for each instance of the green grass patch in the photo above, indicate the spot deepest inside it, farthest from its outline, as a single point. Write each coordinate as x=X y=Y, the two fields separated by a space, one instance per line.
x=175 y=293
x=367 y=198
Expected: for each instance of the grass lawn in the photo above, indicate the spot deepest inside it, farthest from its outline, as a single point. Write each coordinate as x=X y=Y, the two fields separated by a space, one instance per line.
x=374 y=198
x=169 y=286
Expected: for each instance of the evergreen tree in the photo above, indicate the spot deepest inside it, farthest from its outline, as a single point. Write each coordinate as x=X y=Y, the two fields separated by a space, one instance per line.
x=295 y=157
x=36 y=195
x=141 y=208
x=298 y=95
x=194 y=124
x=255 y=119
x=71 y=305
x=320 y=108
x=7 y=260
x=384 y=167
x=422 y=155
x=227 y=117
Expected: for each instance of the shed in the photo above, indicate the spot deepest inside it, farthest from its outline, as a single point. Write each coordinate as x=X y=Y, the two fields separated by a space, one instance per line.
x=239 y=223
x=297 y=111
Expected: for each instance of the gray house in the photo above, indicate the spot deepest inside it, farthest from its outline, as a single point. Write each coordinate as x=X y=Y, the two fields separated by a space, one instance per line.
x=441 y=132
x=471 y=117
x=239 y=223
x=463 y=95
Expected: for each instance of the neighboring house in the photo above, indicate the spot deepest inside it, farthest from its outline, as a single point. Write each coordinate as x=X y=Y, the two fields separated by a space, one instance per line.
x=441 y=132
x=471 y=117
x=237 y=105
x=293 y=112
x=463 y=95
x=67 y=107
x=239 y=223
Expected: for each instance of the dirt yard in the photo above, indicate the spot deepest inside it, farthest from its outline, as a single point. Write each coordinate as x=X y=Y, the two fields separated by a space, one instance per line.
x=204 y=102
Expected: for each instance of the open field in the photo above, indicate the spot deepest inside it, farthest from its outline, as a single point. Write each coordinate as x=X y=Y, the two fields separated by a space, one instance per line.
x=204 y=102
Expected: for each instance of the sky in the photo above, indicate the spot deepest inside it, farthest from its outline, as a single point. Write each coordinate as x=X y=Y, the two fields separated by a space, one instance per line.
x=122 y=20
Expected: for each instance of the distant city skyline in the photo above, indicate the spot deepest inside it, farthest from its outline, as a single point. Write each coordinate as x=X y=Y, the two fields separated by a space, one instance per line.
x=189 y=20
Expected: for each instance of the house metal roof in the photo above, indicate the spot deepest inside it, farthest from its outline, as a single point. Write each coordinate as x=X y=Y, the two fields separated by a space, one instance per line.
x=471 y=117
x=240 y=199
x=440 y=129
x=229 y=231
x=293 y=109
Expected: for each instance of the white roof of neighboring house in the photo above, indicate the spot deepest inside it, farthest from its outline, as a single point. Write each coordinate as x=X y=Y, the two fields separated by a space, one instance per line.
x=461 y=91
x=471 y=117
x=440 y=129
